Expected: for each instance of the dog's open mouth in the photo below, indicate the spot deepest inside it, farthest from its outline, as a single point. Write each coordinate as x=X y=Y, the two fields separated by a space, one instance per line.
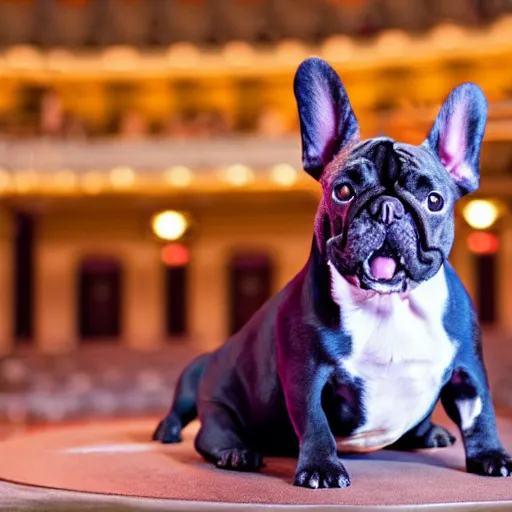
x=384 y=271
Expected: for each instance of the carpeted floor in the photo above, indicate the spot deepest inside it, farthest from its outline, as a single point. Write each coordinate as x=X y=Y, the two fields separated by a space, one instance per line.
x=118 y=458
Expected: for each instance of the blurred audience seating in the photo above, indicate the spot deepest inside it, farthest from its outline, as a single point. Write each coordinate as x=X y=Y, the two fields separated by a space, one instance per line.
x=109 y=381
x=98 y=381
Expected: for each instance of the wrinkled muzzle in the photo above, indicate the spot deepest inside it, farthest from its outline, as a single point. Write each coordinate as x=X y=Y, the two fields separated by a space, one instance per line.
x=385 y=243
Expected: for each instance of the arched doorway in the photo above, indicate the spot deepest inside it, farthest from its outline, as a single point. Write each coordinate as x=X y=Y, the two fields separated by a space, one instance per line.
x=250 y=285
x=99 y=298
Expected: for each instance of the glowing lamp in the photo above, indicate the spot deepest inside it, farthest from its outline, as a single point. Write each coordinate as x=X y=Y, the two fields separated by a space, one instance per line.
x=93 y=182
x=169 y=225
x=480 y=242
x=480 y=214
x=5 y=180
x=291 y=51
x=122 y=177
x=26 y=181
x=65 y=180
x=179 y=176
x=184 y=55
x=120 y=58
x=284 y=175
x=338 y=47
x=238 y=175
x=238 y=53
x=175 y=255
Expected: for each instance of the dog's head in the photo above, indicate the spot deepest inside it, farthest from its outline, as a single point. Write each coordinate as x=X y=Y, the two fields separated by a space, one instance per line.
x=386 y=217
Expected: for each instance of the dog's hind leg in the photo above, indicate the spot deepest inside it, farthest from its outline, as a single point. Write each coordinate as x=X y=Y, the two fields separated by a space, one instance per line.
x=183 y=409
x=220 y=441
x=424 y=435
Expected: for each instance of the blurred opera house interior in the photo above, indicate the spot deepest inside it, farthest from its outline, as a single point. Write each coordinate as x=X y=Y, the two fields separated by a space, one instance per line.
x=151 y=188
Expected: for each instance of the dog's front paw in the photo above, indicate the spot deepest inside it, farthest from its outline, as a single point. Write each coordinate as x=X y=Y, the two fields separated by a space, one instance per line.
x=239 y=460
x=325 y=475
x=495 y=463
x=438 y=437
x=168 y=430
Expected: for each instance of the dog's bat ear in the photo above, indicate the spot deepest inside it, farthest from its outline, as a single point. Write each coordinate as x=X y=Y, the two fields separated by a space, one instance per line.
x=457 y=135
x=327 y=121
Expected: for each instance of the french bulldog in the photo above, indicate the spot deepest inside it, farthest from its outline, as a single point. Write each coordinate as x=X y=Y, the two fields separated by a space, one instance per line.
x=357 y=349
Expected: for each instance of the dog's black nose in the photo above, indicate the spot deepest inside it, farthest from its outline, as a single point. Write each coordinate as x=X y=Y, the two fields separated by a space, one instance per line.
x=387 y=209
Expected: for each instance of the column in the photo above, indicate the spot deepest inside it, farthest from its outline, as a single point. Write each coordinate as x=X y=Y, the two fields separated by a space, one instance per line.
x=55 y=296
x=292 y=256
x=143 y=297
x=504 y=277
x=498 y=358
x=209 y=302
x=462 y=259
x=6 y=284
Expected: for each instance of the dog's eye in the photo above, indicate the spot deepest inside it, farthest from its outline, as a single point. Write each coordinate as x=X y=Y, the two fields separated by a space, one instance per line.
x=343 y=193
x=435 y=202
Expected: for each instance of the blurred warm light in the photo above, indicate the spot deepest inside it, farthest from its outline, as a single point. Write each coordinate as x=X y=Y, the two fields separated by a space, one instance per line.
x=480 y=213
x=169 y=225
x=183 y=55
x=5 y=180
x=291 y=51
x=175 y=255
x=284 y=174
x=93 y=182
x=178 y=176
x=393 y=42
x=481 y=242
x=501 y=29
x=238 y=175
x=65 y=180
x=23 y=57
x=60 y=59
x=122 y=177
x=26 y=181
x=238 y=53
x=338 y=48
x=120 y=58
x=447 y=36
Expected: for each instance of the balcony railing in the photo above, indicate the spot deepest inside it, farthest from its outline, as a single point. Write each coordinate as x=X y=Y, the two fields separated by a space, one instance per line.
x=148 y=155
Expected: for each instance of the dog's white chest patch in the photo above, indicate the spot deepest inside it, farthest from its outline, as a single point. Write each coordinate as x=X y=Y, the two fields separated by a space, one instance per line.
x=400 y=351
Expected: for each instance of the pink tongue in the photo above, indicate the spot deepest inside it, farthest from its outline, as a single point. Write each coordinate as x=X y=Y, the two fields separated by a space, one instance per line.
x=383 y=268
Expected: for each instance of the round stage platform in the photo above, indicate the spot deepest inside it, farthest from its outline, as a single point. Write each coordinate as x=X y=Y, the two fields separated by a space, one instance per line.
x=117 y=458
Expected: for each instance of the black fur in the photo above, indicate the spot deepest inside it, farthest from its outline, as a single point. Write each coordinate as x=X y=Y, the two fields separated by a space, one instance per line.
x=322 y=86
x=485 y=454
x=277 y=386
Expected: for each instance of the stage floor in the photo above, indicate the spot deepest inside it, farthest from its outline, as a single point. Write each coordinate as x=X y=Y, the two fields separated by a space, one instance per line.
x=117 y=458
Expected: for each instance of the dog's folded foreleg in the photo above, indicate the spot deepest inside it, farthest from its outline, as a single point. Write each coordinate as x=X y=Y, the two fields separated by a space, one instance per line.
x=220 y=440
x=424 y=435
